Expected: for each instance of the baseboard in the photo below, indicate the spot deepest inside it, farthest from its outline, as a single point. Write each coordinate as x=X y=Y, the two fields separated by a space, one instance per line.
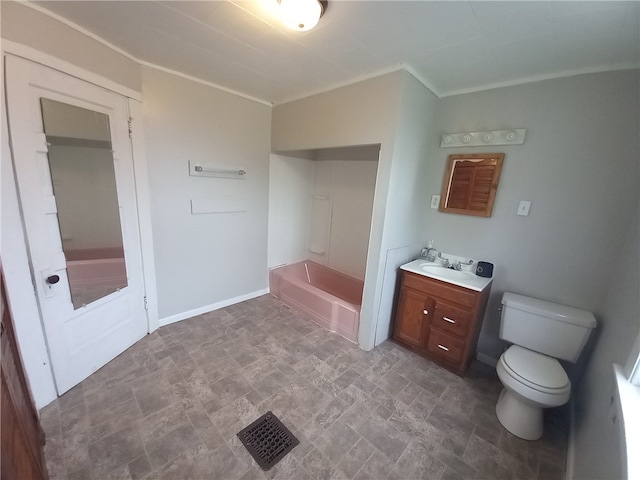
x=571 y=446
x=210 y=308
x=486 y=359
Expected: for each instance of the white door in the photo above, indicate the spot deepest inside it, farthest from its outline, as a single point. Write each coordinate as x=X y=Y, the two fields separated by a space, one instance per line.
x=74 y=167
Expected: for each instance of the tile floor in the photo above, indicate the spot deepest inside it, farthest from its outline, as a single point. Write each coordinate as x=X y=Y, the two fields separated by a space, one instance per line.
x=171 y=405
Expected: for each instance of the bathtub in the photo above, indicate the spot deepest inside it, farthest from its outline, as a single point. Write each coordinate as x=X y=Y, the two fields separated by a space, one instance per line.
x=97 y=272
x=330 y=298
x=96 y=267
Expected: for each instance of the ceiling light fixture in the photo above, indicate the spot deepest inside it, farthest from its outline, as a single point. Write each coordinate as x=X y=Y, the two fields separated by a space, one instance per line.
x=301 y=15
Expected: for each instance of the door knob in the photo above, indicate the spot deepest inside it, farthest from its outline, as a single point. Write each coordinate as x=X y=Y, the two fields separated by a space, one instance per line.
x=53 y=279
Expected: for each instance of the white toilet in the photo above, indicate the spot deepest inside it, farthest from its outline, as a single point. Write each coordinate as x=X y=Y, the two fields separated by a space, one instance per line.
x=532 y=377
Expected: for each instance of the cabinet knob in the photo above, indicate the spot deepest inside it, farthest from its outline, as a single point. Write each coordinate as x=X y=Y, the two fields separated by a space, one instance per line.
x=447 y=319
x=442 y=347
x=426 y=312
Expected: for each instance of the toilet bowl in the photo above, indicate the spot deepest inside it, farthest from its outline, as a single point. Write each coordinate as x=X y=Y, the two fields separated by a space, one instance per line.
x=532 y=381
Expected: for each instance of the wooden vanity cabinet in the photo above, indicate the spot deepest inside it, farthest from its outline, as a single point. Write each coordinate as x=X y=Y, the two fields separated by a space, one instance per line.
x=439 y=320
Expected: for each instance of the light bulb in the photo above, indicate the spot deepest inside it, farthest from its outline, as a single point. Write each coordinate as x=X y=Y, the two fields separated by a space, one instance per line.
x=467 y=138
x=301 y=15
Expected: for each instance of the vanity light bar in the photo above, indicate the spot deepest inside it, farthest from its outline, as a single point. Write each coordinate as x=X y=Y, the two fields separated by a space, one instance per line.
x=475 y=139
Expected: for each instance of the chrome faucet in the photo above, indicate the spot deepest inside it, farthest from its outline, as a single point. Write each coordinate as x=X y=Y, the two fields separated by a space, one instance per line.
x=458 y=265
x=445 y=261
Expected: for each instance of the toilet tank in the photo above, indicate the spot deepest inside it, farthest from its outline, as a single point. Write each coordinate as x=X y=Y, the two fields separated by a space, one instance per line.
x=549 y=328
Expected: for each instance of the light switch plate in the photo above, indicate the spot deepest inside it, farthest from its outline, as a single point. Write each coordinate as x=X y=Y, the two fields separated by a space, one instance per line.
x=435 y=201
x=523 y=208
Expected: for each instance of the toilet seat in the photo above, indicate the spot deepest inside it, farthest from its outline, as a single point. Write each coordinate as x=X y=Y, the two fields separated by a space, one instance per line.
x=535 y=370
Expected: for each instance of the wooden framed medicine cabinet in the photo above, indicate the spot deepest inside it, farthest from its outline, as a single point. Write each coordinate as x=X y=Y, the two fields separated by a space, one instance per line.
x=470 y=183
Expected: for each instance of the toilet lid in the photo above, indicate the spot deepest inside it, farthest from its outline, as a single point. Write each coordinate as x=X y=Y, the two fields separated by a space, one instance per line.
x=536 y=368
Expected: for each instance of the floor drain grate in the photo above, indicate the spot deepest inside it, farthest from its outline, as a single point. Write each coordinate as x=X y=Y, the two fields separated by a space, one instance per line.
x=267 y=440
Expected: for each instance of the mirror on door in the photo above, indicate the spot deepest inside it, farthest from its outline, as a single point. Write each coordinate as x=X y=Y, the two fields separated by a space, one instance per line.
x=84 y=184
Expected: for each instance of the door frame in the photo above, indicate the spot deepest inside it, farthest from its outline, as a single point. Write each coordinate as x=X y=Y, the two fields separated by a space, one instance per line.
x=29 y=331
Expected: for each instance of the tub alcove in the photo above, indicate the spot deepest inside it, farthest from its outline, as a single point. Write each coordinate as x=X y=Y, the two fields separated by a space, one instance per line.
x=320 y=212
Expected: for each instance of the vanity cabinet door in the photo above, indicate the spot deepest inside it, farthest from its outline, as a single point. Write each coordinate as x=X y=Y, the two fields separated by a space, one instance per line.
x=414 y=313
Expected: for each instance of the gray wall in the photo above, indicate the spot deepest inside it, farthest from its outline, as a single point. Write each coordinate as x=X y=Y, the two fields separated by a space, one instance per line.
x=597 y=438
x=208 y=258
x=578 y=167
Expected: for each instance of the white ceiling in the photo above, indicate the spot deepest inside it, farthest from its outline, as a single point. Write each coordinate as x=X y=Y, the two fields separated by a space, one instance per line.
x=452 y=46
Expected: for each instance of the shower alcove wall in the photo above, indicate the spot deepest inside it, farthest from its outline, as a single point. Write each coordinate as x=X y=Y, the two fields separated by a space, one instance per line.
x=320 y=209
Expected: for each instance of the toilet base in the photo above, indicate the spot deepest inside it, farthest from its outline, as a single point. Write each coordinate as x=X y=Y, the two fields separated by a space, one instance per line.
x=523 y=420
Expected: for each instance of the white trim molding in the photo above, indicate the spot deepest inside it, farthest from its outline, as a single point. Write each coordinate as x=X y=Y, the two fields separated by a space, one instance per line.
x=126 y=54
x=143 y=203
x=210 y=308
x=28 y=53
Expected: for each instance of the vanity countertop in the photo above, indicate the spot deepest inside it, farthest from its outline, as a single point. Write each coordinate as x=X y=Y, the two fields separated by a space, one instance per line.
x=465 y=278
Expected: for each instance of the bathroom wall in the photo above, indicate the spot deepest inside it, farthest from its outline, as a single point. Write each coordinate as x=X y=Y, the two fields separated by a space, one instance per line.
x=620 y=323
x=29 y=27
x=290 y=192
x=204 y=259
x=321 y=209
x=578 y=167
x=348 y=186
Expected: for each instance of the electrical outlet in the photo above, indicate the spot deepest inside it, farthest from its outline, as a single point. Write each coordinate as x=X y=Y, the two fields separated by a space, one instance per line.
x=435 y=201
x=523 y=208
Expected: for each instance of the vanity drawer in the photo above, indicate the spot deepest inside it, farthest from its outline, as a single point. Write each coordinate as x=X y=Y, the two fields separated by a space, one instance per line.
x=455 y=294
x=456 y=321
x=446 y=347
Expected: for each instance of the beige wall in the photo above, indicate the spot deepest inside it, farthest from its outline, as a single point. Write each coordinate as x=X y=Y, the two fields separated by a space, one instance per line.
x=208 y=258
x=290 y=192
x=342 y=192
x=349 y=186
x=29 y=27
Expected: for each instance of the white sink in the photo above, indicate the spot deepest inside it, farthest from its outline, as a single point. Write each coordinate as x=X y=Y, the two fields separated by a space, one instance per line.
x=446 y=272
x=462 y=278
